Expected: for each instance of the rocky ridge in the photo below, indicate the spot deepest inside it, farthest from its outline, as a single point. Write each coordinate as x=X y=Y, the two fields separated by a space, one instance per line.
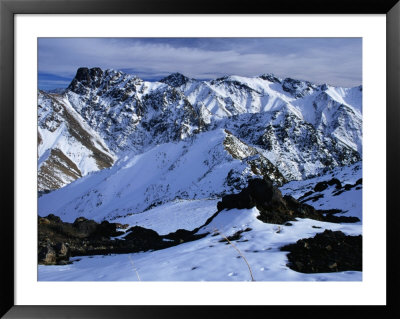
x=314 y=128
x=67 y=147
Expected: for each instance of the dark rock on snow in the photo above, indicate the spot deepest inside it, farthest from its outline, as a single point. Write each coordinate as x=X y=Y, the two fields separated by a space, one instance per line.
x=329 y=251
x=275 y=208
x=319 y=187
x=175 y=79
x=59 y=240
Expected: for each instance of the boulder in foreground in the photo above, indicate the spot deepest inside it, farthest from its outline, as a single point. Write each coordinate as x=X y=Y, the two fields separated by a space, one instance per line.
x=329 y=251
x=275 y=208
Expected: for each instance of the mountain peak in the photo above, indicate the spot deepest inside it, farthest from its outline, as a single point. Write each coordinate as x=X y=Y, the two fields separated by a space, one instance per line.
x=85 y=74
x=86 y=77
x=297 y=88
x=175 y=79
x=270 y=77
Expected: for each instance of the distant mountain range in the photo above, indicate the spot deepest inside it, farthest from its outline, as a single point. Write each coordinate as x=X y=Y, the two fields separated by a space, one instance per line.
x=296 y=128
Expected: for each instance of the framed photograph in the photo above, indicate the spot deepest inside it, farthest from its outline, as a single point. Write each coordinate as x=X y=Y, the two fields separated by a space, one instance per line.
x=176 y=159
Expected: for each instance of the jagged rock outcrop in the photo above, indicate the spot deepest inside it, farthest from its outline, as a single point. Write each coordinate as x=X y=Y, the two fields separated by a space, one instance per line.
x=130 y=114
x=175 y=80
x=275 y=208
x=298 y=88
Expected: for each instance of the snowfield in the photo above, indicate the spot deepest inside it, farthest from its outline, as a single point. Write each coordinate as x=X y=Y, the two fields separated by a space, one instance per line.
x=350 y=202
x=208 y=259
x=211 y=259
x=194 y=169
x=178 y=214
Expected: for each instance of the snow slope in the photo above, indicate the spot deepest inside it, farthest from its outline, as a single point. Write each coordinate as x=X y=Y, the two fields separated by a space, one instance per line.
x=174 y=215
x=210 y=165
x=67 y=146
x=210 y=259
x=349 y=201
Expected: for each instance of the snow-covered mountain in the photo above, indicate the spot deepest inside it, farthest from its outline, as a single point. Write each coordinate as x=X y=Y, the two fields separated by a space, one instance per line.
x=301 y=128
x=167 y=155
x=67 y=146
x=206 y=167
x=129 y=113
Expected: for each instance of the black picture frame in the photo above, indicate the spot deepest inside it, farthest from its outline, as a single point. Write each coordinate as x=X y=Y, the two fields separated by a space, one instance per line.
x=9 y=8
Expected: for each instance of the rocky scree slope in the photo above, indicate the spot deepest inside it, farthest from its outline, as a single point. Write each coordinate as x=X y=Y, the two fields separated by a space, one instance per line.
x=68 y=148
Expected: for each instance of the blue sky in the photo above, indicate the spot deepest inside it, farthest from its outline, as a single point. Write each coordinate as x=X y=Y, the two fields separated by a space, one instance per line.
x=337 y=61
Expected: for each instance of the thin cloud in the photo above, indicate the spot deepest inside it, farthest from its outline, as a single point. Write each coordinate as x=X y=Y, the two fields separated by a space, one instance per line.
x=335 y=61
